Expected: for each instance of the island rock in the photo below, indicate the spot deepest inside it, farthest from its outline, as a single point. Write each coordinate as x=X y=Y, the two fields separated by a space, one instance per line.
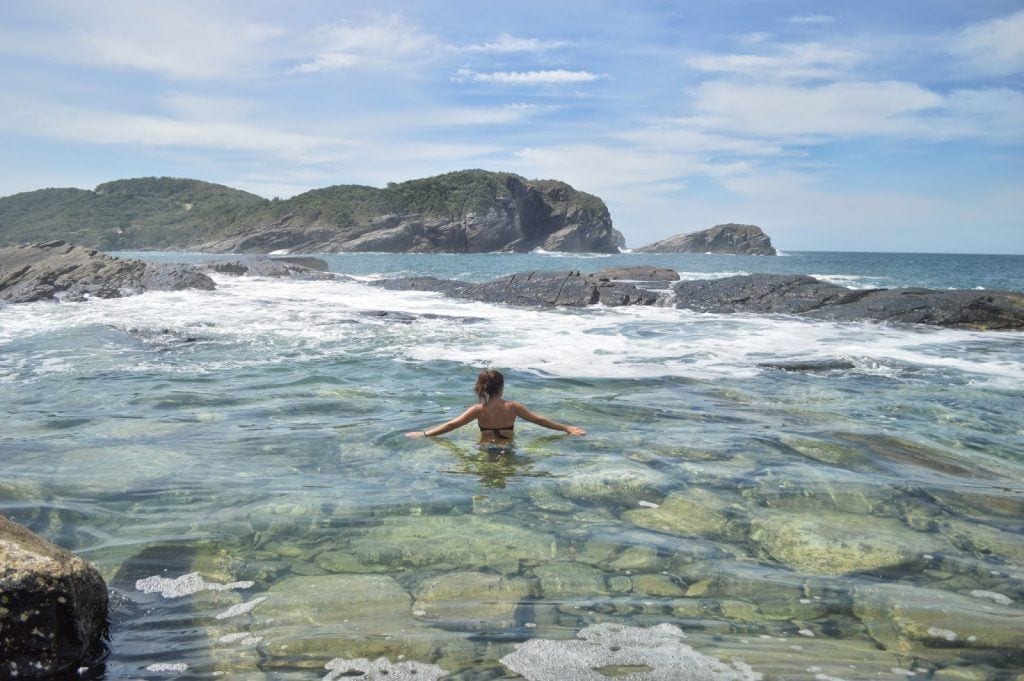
x=58 y=270
x=281 y=268
x=797 y=294
x=729 y=239
x=53 y=607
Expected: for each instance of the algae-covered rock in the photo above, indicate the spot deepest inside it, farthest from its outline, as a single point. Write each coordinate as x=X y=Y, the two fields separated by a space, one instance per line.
x=470 y=601
x=452 y=543
x=627 y=485
x=693 y=512
x=659 y=586
x=569 y=579
x=611 y=650
x=838 y=543
x=809 y=489
x=911 y=619
x=312 y=619
x=985 y=540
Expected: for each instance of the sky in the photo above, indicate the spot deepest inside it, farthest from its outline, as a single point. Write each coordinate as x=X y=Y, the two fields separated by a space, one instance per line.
x=867 y=126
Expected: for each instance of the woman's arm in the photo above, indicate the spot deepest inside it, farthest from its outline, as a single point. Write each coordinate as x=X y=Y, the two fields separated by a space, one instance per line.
x=456 y=422
x=521 y=410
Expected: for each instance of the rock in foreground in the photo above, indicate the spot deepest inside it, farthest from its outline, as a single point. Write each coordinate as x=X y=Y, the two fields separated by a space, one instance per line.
x=796 y=294
x=729 y=239
x=53 y=607
x=61 y=271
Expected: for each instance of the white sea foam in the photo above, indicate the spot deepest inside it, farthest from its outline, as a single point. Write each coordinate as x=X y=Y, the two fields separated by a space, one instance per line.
x=268 y=321
x=185 y=585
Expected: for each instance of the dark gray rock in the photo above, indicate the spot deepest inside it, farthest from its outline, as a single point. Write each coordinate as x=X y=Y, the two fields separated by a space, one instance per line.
x=53 y=607
x=639 y=274
x=535 y=289
x=809 y=365
x=57 y=270
x=730 y=238
x=261 y=266
x=796 y=294
x=303 y=261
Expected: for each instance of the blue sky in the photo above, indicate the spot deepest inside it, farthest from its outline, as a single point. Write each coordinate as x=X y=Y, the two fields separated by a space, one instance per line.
x=877 y=126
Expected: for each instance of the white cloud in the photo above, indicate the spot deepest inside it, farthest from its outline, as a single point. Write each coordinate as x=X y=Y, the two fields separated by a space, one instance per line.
x=555 y=76
x=812 y=19
x=94 y=126
x=793 y=62
x=177 y=40
x=994 y=46
x=509 y=43
x=804 y=114
x=383 y=42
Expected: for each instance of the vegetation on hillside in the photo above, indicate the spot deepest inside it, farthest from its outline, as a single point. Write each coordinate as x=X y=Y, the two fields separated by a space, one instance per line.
x=172 y=213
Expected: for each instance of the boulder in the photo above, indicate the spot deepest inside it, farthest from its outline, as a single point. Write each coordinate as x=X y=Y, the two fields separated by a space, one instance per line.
x=730 y=239
x=57 y=270
x=452 y=543
x=695 y=512
x=798 y=294
x=639 y=274
x=534 y=289
x=834 y=543
x=53 y=607
x=917 y=620
x=470 y=601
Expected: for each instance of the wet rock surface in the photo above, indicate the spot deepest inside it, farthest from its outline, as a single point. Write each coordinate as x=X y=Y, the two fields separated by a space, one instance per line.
x=534 y=289
x=57 y=270
x=261 y=266
x=53 y=607
x=797 y=294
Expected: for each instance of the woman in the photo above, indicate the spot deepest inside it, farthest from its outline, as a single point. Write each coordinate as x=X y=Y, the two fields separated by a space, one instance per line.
x=495 y=415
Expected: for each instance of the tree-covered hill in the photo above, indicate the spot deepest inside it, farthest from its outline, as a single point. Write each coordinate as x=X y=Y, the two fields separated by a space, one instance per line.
x=168 y=213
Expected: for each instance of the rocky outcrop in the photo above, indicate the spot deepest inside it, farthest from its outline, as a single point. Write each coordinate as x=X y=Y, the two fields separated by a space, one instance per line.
x=534 y=289
x=464 y=212
x=282 y=268
x=58 y=270
x=796 y=294
x=53 y=607
x=729 y=238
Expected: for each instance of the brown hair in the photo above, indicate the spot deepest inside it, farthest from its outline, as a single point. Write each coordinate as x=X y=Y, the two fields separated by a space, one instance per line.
x=489 y=383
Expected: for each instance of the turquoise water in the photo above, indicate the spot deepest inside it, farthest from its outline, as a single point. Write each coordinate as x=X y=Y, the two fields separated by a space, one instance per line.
x=860 y=523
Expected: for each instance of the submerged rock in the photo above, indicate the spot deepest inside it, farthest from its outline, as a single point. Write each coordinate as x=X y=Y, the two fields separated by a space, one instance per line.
x=917 y=620
x=470 y=601
x=608 y=650
x=53 y=607
x=797 y=294
x=832 y=543
x=452 y=543
x=58 y=270
x=695 y=512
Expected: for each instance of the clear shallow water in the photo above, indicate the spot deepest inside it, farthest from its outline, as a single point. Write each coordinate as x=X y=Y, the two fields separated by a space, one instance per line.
x=801 y=522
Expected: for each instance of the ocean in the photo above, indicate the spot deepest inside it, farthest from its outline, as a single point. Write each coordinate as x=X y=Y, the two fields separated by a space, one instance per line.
x=235 y=464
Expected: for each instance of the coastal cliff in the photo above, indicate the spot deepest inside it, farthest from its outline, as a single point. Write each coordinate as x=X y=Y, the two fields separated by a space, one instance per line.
x=470 y=211
x=729 y=238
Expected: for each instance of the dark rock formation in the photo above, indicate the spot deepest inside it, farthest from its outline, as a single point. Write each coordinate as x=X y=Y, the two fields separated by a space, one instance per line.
x=464 y=212
x=795 y=294
x=730 y=238
x=809 y=365
x=259 y=266
x=534 y=289
x=53 y=607
x=60 y=271
x=638 y=273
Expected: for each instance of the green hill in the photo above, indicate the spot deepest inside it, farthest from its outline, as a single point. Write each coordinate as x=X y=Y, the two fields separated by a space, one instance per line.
x=179 y=214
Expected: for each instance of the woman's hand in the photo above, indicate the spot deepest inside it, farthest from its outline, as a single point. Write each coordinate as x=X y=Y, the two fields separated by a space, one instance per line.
x=575 y=430
x=416 y=433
